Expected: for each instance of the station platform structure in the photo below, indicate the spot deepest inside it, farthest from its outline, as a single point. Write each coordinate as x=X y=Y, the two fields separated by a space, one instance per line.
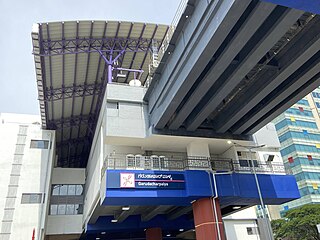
x=161 y=118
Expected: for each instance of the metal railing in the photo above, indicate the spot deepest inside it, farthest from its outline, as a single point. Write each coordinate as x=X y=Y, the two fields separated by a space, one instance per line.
x=182 y=6
x=140 y=162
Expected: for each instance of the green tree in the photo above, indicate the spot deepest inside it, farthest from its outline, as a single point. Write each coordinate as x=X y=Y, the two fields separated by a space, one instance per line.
x=298 y=224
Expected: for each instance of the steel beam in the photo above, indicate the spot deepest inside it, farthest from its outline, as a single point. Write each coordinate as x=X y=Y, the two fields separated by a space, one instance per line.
x=87 y=45
x=288 y=89
x=135 y=52
x=72 y=91
x=70 y=122
x=267 y=36
x=294 y=56
x=308 y=87
x=74 y=141
x=245 y=31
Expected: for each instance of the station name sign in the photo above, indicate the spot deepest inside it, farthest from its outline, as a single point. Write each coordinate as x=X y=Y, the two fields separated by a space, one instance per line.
x=165 y=180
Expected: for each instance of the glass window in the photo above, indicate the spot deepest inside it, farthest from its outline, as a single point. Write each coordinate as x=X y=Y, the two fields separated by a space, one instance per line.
x=79 y=190
x=41 y=144
x=55 y=190
x=252 y=231
x=63 y=190
x=29 y=198
x=62 y=209
x=78 y=208
x=53 y=209
x=70 y=209
x=247 y=163
x=71 y=190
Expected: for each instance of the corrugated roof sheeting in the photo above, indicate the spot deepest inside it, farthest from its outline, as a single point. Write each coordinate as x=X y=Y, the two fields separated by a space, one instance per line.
x=70 y=79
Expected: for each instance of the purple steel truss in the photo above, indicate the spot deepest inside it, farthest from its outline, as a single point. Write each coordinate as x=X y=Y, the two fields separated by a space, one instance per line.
x=111 y=51
x=72 y=91
x=87 y=45
x=70 y=122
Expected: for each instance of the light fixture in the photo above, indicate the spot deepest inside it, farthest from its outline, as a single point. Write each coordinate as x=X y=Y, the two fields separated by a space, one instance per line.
x=103 y=233
x=169 y=53
x=168 y=235
x=97 y=238
x=229 y=142
x=181 y=230
x=125 y=208
x=114 y=220
x=187 y=16
x=236 y=207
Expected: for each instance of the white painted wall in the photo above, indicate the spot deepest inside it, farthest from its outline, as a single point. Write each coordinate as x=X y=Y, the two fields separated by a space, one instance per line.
x=236 y=229
x=34 y=177
x=93 y=176
x=64 y=224
x=268 y=136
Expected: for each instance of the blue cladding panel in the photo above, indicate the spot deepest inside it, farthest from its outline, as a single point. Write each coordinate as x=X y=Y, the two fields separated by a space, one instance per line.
x=312 y=6
x=232 y=189
x=134 y=223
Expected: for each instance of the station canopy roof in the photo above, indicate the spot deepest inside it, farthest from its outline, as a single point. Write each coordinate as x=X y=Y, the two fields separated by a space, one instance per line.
x=71 y=61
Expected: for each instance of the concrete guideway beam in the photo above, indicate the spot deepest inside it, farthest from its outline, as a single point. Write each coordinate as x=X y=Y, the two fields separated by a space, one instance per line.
x=305 y=89
x=251 y=24
x=291 y=89
x=265 y=43
x=201 y=44
x=300 y=51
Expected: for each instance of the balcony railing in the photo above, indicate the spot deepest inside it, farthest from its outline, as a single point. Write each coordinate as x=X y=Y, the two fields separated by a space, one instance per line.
x=154 y=162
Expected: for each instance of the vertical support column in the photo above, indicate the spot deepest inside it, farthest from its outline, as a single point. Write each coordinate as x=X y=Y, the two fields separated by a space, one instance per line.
x=109 y=73
x=208 y=219
x=154 y=234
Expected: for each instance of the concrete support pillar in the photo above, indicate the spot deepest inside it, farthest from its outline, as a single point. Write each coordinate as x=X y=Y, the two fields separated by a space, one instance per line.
x=207 y=221
x=154 y=234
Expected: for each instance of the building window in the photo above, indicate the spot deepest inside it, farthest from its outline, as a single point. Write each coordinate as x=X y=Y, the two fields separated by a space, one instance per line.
x=31 y=198
x=247 y=163
x=67 y=189
x=252 y=231
x=40 y=144
x=66 y=199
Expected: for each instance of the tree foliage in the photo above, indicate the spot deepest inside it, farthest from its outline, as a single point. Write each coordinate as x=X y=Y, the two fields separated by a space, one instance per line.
x=298 y=224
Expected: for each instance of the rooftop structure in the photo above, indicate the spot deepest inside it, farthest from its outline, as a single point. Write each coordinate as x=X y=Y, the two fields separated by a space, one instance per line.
x=73 y=61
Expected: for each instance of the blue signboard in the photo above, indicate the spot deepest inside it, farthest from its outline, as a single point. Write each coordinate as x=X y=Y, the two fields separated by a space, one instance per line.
x=148 y=179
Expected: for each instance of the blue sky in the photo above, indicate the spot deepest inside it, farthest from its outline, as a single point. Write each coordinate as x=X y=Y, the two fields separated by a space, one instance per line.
x=17 y=73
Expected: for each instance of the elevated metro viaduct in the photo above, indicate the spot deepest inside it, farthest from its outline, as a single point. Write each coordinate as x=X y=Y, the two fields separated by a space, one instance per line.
x=156 y=158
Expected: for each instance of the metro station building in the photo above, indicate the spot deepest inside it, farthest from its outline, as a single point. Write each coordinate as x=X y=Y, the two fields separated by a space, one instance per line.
x=146 y=130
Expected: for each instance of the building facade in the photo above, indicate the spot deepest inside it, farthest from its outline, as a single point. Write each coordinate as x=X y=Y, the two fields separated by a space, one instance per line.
x=40 y=200
x=298 y=129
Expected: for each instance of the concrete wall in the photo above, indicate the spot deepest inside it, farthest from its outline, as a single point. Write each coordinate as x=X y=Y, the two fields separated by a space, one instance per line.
x=68 y=176
x=126 y=112
x=93 y=175
x=23 y=170
x=236 y=229
x=64 y=224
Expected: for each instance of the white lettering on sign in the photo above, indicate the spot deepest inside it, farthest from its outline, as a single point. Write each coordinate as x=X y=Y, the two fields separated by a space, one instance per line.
x=154 y=176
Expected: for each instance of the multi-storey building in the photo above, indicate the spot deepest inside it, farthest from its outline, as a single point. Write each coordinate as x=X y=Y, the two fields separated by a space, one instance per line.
x=298 y=129
x=153 y=125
